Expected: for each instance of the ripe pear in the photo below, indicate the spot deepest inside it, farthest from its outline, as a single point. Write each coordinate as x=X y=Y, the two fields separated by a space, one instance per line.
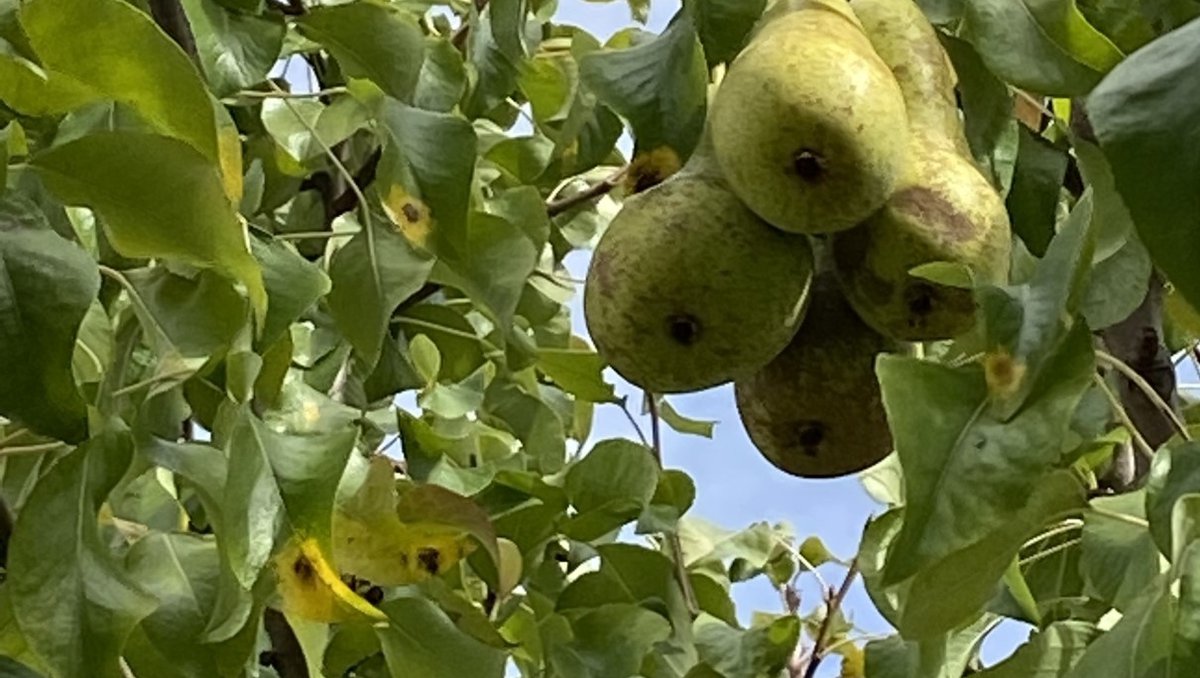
x=905 y=40
x=688 y=289
x=809 y=125
x=946 y=211
x=816 y=410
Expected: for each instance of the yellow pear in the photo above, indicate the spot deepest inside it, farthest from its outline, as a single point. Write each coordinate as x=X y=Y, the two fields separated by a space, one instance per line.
x=816 y=410
x=688 y=289
x=809 y=125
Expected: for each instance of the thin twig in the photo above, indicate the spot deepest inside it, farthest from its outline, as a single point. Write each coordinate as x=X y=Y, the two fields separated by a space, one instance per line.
x=1145 y=387
x=831 y=607
x=315 y=235
x=1042 y=555
x=624 y=405
x=1118 y=409
x=673 y=543
x=31 y=449
x=1121 y=517
x=596 y=190
x=364 y=209
x=1067 y=525
x=20 y=432
x=258 y=94
x=151 y=381
x=809 y=566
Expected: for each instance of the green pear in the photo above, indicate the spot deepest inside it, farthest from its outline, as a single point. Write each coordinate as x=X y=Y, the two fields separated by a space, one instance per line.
x=947 y=211
x=809 y=125
x=906 y=41
x=688 y=289
x=816 y=410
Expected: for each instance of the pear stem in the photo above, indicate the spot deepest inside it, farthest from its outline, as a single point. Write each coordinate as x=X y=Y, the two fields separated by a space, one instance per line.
x=672 y=538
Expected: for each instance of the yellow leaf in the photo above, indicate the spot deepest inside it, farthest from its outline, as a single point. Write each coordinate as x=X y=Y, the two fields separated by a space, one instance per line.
x=651 y=168
x=1003 y=373
x=409 y=216
x=311 y=589
x=229 y=155
x=854 y=661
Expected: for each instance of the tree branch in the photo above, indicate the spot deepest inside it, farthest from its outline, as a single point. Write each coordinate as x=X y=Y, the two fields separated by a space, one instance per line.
x=286 y=657
x=832 y=605
x=1138 y=342
x=672 y=538
x=170 y=17
x=596 y=190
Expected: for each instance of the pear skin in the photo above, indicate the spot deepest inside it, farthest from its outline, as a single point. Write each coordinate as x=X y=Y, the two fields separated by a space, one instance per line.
x=816 y=410
x=906 y=41
x=809 y=124
x=689 y=289
x=947 y=211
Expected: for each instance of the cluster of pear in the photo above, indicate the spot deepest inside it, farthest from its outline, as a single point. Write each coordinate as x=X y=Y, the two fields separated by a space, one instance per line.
x=836 y=131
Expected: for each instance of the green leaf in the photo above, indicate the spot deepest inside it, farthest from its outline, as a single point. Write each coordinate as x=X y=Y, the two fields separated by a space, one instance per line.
x=747 y=653
x=532 y=421
x=369 y=285
x=46 y=288
x=1174 y=472
x=682 y=424
x=269 y=471
x=443 y=77
x=490 y=264
x=992 y=131
x=432 y=156
x=1117 y=284
x=187 y=317
x=1139 y=642
x=1118 y=559
x=659 y=85
x=675 y=494
x=610 y=486
x=1146 y=114
x=182 y=571
x=724 y=26
x=73 y=602
x=1046 y=46
x=293 y=285
x=954 y=590
x=966 y=472
x=577 y=372
x=1036 y=187
x=237 y=50
x=421 y=640
x=492 y=58
x=370 y=40
x=609 y=641
x=158 y=198
x=1048 y=653
x=627 y=574
x=28 y=89
x=1186 y=652
x=128 y=59
x=946 y=656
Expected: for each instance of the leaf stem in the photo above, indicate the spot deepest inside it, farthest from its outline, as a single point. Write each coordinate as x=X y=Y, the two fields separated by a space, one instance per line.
x=20 y=432
x=1122 y=517
x=282 y=94
x=364 y=209
x=31 y=449
x=151 y=381
x=673 y=543
x=314 y=235
x=624 y=405
x=596 y=190
x=1042 y=555
x=1146 y=389
x=833 y=604
x=1119 y=410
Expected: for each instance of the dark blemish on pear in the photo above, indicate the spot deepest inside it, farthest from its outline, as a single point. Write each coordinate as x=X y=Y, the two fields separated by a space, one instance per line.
x=811 y=435
x=808 y=165
x=684 y=329
x=921 y=299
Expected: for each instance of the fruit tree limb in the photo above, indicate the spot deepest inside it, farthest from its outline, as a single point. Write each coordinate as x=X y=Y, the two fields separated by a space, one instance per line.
x=832 y=605
x=596 y=190
x=672 y=538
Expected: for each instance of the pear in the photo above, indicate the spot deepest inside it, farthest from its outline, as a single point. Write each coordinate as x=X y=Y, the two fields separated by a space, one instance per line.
x=809 y=124
x=947 y=211
x=906 y=41
x=688 y=289
x=816 y=410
